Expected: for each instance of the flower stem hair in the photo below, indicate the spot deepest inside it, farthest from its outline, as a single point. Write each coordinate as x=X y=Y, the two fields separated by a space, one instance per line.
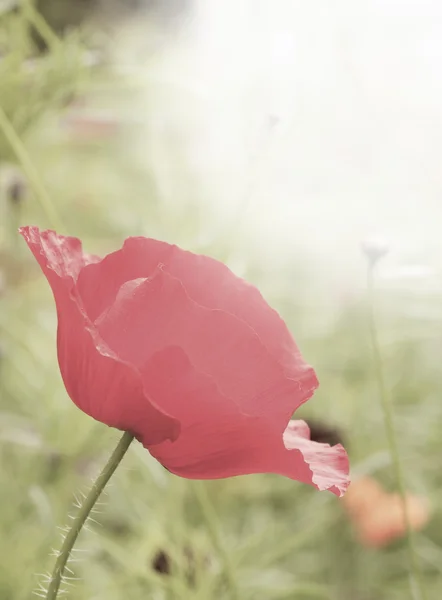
x=83 y=514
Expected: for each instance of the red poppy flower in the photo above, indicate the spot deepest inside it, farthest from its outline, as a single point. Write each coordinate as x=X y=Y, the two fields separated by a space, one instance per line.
x=176 y=349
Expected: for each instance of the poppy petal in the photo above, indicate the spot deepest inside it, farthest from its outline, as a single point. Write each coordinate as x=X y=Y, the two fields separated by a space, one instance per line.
x=57 y=255
x=216 y=442
x=97 y=380
x=207 y=281
x=327 y=463
x=99 y=284
x=215 y=342
x=189 y=358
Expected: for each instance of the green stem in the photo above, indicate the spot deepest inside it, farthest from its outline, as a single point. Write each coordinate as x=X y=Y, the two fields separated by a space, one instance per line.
x=36 y=19
x=84 y=512
x=210 y=518
x=31 y=172
x=416 y=583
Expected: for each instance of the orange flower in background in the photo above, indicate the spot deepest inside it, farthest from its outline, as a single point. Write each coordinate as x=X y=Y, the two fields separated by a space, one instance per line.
x=386 y=522
x=378 y=516
x=84 y=126
x=362 y=496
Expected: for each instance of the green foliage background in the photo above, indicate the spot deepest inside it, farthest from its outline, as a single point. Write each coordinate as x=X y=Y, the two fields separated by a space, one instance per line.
x=285 y=540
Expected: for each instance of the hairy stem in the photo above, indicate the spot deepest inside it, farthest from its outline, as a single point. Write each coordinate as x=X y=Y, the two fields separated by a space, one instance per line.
x=84 y=512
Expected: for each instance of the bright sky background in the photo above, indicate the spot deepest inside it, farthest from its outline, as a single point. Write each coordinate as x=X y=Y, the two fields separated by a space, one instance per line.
x=355 y=89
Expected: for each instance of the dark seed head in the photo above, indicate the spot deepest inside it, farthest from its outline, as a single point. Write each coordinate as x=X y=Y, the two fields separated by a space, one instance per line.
x=17 y=191
x=15 y=185
x=162 y=563
x=325 y=434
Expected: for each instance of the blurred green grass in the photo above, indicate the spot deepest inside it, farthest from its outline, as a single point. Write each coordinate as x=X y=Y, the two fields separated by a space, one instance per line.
x=284 y=539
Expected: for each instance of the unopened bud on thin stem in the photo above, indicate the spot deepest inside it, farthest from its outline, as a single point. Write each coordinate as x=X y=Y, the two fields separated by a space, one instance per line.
x=375 y=248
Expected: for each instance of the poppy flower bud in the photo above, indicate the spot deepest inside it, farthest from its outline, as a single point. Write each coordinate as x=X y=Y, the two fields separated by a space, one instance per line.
x=375 y=248
x=189 y=358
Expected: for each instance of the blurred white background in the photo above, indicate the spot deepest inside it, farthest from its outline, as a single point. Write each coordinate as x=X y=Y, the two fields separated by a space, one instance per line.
x=311 y=123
